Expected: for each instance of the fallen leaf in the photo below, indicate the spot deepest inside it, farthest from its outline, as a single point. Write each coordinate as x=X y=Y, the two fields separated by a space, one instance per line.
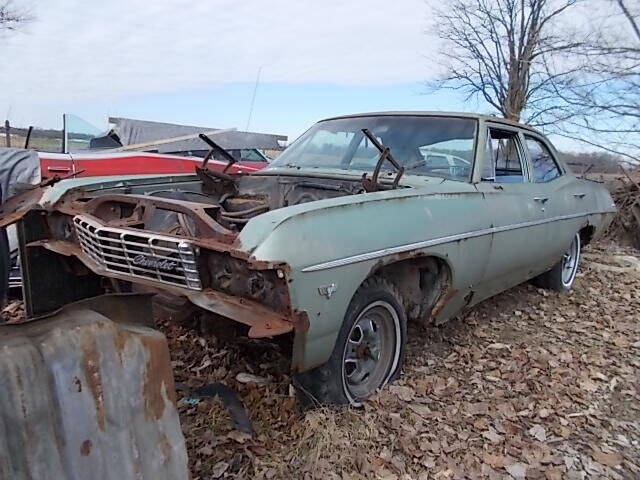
x=420 y=409
x=405 y=394
x=517 y=470
x=238 y=436
x=538 y=432
x=492 y=436
x=588 y=385
x=495 y=461
x=480 y=408
x=248 y=377
x=553 y=473
x=218 y=469
x=206 y=450
x=607 y=459
x=507 y=410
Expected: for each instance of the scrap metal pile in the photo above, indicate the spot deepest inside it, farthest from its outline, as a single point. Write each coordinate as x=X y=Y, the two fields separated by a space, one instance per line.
x=626 y=224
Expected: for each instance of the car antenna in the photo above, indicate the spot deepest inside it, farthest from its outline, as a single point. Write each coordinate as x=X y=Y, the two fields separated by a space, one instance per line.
x=215 y=148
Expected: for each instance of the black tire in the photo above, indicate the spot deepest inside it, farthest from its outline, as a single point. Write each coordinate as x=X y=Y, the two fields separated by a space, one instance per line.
x=5 y=267
x=329 y=383
x=560 y=278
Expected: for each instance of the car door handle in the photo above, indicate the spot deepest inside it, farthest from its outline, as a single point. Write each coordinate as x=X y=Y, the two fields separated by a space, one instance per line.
x=540 y=199
x=579 y=195
x=59 y=169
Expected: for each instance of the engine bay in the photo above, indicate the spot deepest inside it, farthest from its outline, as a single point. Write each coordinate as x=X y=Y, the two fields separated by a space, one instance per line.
x=217 y=208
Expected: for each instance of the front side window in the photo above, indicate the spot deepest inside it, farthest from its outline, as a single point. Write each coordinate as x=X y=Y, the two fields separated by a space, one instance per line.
x=252 y=155
x=543 y=165
x=431 y=146
x=502 y=161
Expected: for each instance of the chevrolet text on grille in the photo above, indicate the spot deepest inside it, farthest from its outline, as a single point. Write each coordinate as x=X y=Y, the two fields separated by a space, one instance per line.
x=158 y=258
x=143 y=261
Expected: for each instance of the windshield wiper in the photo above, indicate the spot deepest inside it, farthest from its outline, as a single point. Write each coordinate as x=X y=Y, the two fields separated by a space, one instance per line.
x=215 y=148
x=213 y=181
x=372 y=184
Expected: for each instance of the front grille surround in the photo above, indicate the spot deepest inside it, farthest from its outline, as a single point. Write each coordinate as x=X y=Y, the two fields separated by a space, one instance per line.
x=139 y=254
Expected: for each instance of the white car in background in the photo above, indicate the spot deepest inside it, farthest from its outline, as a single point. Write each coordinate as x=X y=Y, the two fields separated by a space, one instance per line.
x=454 y=165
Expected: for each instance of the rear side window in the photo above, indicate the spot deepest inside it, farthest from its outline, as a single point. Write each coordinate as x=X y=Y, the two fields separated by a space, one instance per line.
x=544 y=166
x=502 y=162
x=437 y=160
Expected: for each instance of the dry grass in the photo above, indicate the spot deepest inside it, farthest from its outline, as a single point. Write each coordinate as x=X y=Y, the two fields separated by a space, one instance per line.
x=37 y=143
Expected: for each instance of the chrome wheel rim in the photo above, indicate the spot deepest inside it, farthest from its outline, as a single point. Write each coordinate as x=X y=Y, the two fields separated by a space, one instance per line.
x=371 y=351
x=570 y=262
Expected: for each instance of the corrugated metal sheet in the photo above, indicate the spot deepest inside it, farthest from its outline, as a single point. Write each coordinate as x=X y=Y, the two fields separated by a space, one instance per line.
x=83 y=397
x=132 y=132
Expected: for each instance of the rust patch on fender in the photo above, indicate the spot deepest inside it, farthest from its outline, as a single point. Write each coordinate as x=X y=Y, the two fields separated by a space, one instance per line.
x=442 y=302
x=91 y=369
x=85 y=448
x=300 y=321
x=394 y=258
x=158 y=377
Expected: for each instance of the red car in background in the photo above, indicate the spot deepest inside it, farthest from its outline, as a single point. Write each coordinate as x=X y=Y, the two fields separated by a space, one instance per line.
x=132 y=163
x=134 y=147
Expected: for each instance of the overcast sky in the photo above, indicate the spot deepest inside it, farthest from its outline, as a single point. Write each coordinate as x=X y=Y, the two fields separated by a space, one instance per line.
x=197 y=62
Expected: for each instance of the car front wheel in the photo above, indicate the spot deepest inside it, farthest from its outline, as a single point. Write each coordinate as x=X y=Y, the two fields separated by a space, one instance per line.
x=563 y=273
x=368 y=352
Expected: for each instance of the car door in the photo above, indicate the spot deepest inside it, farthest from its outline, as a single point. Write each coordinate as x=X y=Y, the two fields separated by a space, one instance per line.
x=563 y=201
x=52 y=164
x=518 y=208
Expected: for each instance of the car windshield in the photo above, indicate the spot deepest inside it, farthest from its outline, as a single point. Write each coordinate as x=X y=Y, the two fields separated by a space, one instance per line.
x=435 y=146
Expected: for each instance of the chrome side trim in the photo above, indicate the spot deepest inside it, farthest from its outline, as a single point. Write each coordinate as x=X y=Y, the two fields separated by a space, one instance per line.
x=438 y=241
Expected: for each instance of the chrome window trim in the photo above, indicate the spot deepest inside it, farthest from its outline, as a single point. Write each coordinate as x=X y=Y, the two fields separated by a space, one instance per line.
x=362 y=257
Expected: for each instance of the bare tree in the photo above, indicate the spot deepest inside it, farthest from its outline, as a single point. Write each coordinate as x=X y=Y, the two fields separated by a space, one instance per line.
x=523 y=58
x=12 y=17
x=503 y=51
x=604 y=99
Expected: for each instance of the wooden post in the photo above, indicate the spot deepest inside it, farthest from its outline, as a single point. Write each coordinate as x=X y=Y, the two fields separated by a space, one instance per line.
x=26 y=140
x=7 y=137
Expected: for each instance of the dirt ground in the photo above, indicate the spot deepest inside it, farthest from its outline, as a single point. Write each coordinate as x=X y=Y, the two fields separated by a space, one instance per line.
x=529 y=384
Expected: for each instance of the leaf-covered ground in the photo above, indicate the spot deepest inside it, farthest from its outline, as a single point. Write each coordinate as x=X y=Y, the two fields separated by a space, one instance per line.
x=529 y=384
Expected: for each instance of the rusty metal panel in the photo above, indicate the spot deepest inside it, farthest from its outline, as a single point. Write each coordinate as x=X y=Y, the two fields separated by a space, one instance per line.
x=85 y=397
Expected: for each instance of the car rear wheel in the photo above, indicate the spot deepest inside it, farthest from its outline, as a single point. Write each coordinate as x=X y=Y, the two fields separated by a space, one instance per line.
x=368 y=352
x=563 y=273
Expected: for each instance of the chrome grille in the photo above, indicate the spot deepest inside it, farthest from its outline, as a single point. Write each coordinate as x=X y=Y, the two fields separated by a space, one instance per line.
x=139 y=254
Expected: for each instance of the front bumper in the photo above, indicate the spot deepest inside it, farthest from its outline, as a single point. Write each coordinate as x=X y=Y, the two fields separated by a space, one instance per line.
x=250 y=292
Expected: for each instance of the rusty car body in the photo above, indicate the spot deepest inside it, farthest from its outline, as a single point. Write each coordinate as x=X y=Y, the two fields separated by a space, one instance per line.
x=348 y=234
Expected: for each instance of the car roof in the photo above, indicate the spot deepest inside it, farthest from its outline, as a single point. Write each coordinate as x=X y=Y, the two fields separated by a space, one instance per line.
x=409 y=113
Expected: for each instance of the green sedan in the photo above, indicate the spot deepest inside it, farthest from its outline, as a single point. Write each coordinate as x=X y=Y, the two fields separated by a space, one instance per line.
x=366 y=222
